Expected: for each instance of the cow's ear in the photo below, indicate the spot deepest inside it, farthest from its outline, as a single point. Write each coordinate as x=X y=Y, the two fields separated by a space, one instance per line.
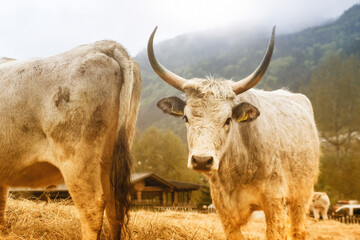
x=172 y=105
x=245 y=112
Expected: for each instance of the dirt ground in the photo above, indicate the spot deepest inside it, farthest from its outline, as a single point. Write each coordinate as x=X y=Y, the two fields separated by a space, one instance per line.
x=59 y=220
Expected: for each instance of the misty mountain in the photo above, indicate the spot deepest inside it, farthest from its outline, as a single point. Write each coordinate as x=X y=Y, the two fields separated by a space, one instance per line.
x=235 y=53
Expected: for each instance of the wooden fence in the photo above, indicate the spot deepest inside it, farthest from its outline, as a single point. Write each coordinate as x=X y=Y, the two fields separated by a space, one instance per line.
x=346 y=219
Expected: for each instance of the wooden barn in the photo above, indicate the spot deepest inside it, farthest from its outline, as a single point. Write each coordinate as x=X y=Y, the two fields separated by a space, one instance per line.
x=152 y=190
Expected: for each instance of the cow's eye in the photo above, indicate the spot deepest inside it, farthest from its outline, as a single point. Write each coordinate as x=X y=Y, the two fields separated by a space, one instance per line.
x=185 y=118
x=227 y=121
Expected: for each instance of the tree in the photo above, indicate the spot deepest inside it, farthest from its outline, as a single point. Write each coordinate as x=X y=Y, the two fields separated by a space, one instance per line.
x=334 y=91
x=204 y=195
x=162 y=152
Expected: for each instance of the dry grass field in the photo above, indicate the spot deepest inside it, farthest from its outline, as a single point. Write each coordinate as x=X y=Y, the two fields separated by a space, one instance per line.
x=59 y=220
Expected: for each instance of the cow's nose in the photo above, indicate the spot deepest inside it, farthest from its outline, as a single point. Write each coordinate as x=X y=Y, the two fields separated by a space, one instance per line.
x=202 y=163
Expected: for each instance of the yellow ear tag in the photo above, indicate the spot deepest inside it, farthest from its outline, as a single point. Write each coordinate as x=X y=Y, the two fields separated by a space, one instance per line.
x=177 y=113
x=243 y=118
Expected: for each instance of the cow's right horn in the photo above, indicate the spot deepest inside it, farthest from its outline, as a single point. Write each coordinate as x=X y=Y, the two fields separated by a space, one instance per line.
x=168 y=76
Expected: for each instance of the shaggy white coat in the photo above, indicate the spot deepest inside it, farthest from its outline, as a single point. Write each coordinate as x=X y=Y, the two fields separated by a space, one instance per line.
x=268 y=164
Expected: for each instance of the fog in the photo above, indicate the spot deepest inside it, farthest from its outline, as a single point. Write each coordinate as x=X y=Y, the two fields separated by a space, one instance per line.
x=41 y=28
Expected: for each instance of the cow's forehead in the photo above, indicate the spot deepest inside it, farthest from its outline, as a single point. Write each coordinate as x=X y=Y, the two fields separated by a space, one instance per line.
x=211 y=110
x=208 y=97
x=209 y=89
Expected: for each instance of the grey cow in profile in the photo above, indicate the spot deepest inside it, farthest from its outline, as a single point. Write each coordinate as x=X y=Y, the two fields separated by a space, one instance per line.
x=71 y=117
x=258 y=149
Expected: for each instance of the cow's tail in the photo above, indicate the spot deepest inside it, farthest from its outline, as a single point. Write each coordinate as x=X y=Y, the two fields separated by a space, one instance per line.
x=121 y=162
x=120 y=181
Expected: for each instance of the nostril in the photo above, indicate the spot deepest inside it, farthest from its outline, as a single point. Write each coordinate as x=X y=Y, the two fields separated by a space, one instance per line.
x=193 y=161
x=209 y=162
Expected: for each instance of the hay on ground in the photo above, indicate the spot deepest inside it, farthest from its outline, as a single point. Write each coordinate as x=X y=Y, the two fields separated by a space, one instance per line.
x=60 y=220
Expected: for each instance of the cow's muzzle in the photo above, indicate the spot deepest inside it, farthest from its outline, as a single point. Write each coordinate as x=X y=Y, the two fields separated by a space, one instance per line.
x=203 y=163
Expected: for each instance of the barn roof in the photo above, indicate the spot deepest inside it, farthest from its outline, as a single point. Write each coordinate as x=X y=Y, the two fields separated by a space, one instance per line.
x=178 y=185
x=184 y=185
x=149 y=176
x=135 y=177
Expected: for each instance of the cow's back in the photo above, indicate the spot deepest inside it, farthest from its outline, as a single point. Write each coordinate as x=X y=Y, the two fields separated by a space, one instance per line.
x=286 y=133
x=51 y=105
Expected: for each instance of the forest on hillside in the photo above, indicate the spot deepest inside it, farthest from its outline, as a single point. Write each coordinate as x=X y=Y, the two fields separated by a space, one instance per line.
x=322 y=62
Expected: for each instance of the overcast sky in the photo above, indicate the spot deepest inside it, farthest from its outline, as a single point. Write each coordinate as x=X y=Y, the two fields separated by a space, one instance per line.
x=39 y=28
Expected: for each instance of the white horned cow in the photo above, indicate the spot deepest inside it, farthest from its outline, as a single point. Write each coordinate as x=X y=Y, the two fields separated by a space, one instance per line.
x=259 y=149
x=71 y=118
x=320 y=204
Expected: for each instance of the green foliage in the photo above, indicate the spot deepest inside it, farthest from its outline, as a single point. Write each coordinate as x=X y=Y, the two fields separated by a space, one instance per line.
x=337 y=185
x=204 y=197
x=204 y=194
x=334 y=91
x=164 y=153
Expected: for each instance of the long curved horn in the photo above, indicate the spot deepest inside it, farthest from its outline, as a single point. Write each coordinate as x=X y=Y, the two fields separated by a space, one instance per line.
x=168 y=76
x=250 y=81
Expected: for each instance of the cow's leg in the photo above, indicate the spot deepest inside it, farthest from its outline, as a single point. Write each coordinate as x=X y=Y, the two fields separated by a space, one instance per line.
x=3 y=198
x=233 y=233
x=298 y=210
x=82 y=177
x=324 y=214
x=316 y=214
x=275 y=214
x=231 y=230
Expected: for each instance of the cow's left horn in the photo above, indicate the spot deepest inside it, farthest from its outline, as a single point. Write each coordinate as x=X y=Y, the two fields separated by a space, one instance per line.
x=250 y=81
x=168 y=76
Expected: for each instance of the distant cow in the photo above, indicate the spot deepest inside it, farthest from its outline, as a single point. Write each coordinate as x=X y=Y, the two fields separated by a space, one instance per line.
x=259 y=149
x=71 y=118
x=320 y=204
